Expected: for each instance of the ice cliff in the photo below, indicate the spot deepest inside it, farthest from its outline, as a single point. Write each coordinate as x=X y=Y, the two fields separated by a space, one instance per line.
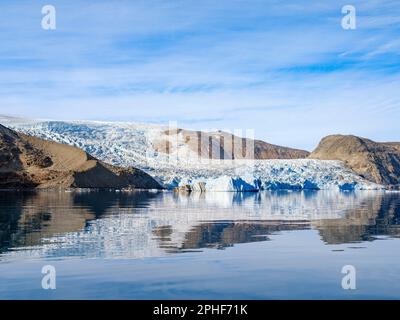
x=131 y=145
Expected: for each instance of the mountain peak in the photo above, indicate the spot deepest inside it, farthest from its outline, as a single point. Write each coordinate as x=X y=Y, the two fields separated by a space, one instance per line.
x=378 y=162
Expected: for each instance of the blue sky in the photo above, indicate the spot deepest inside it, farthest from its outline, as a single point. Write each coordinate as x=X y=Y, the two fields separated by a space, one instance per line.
x=286 y=69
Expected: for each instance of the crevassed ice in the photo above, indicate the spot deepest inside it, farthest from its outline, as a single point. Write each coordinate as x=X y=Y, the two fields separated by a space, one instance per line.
x=131 y=145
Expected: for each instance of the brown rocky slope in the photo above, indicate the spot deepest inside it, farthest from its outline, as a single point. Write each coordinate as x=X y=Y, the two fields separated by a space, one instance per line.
x=223 y=145
x=378 y=162
x=29 y=162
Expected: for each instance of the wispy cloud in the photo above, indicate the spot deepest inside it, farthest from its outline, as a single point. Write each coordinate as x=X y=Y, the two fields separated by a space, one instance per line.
x=284 y=68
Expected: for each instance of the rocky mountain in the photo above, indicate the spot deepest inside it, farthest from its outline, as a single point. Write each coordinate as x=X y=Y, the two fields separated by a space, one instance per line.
x=30 y=162
x=222 y=145
x=133 y=144
x=174 y=159
x=378 y=162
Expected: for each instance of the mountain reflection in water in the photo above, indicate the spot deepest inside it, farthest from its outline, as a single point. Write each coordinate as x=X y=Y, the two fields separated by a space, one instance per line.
x=150 y=224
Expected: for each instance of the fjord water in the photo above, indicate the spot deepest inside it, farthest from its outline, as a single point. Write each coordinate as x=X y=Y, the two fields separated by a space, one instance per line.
x=164 y=245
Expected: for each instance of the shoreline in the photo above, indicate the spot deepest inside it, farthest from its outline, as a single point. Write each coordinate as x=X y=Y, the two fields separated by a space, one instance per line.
x=89 y=190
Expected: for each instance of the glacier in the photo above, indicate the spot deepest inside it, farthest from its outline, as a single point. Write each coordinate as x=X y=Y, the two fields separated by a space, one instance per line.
x=132 y=145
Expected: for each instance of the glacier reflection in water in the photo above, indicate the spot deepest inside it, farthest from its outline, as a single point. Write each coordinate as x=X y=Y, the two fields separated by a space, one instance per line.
x=155 y=224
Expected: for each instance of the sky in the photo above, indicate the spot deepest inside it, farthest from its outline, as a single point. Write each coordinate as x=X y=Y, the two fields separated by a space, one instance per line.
x=285 y=69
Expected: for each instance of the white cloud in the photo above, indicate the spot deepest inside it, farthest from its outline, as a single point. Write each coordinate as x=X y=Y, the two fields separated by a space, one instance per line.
x=286 y=69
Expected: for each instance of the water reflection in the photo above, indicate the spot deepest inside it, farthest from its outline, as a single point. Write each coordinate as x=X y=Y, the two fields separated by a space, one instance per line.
x=145 y=224
x=374 y=217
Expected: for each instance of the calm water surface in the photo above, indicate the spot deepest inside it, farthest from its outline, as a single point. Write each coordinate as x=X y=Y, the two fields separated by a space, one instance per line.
x=145 y=245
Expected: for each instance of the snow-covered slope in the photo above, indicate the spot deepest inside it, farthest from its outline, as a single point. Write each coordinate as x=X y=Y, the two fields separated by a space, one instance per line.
x=130 y=144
